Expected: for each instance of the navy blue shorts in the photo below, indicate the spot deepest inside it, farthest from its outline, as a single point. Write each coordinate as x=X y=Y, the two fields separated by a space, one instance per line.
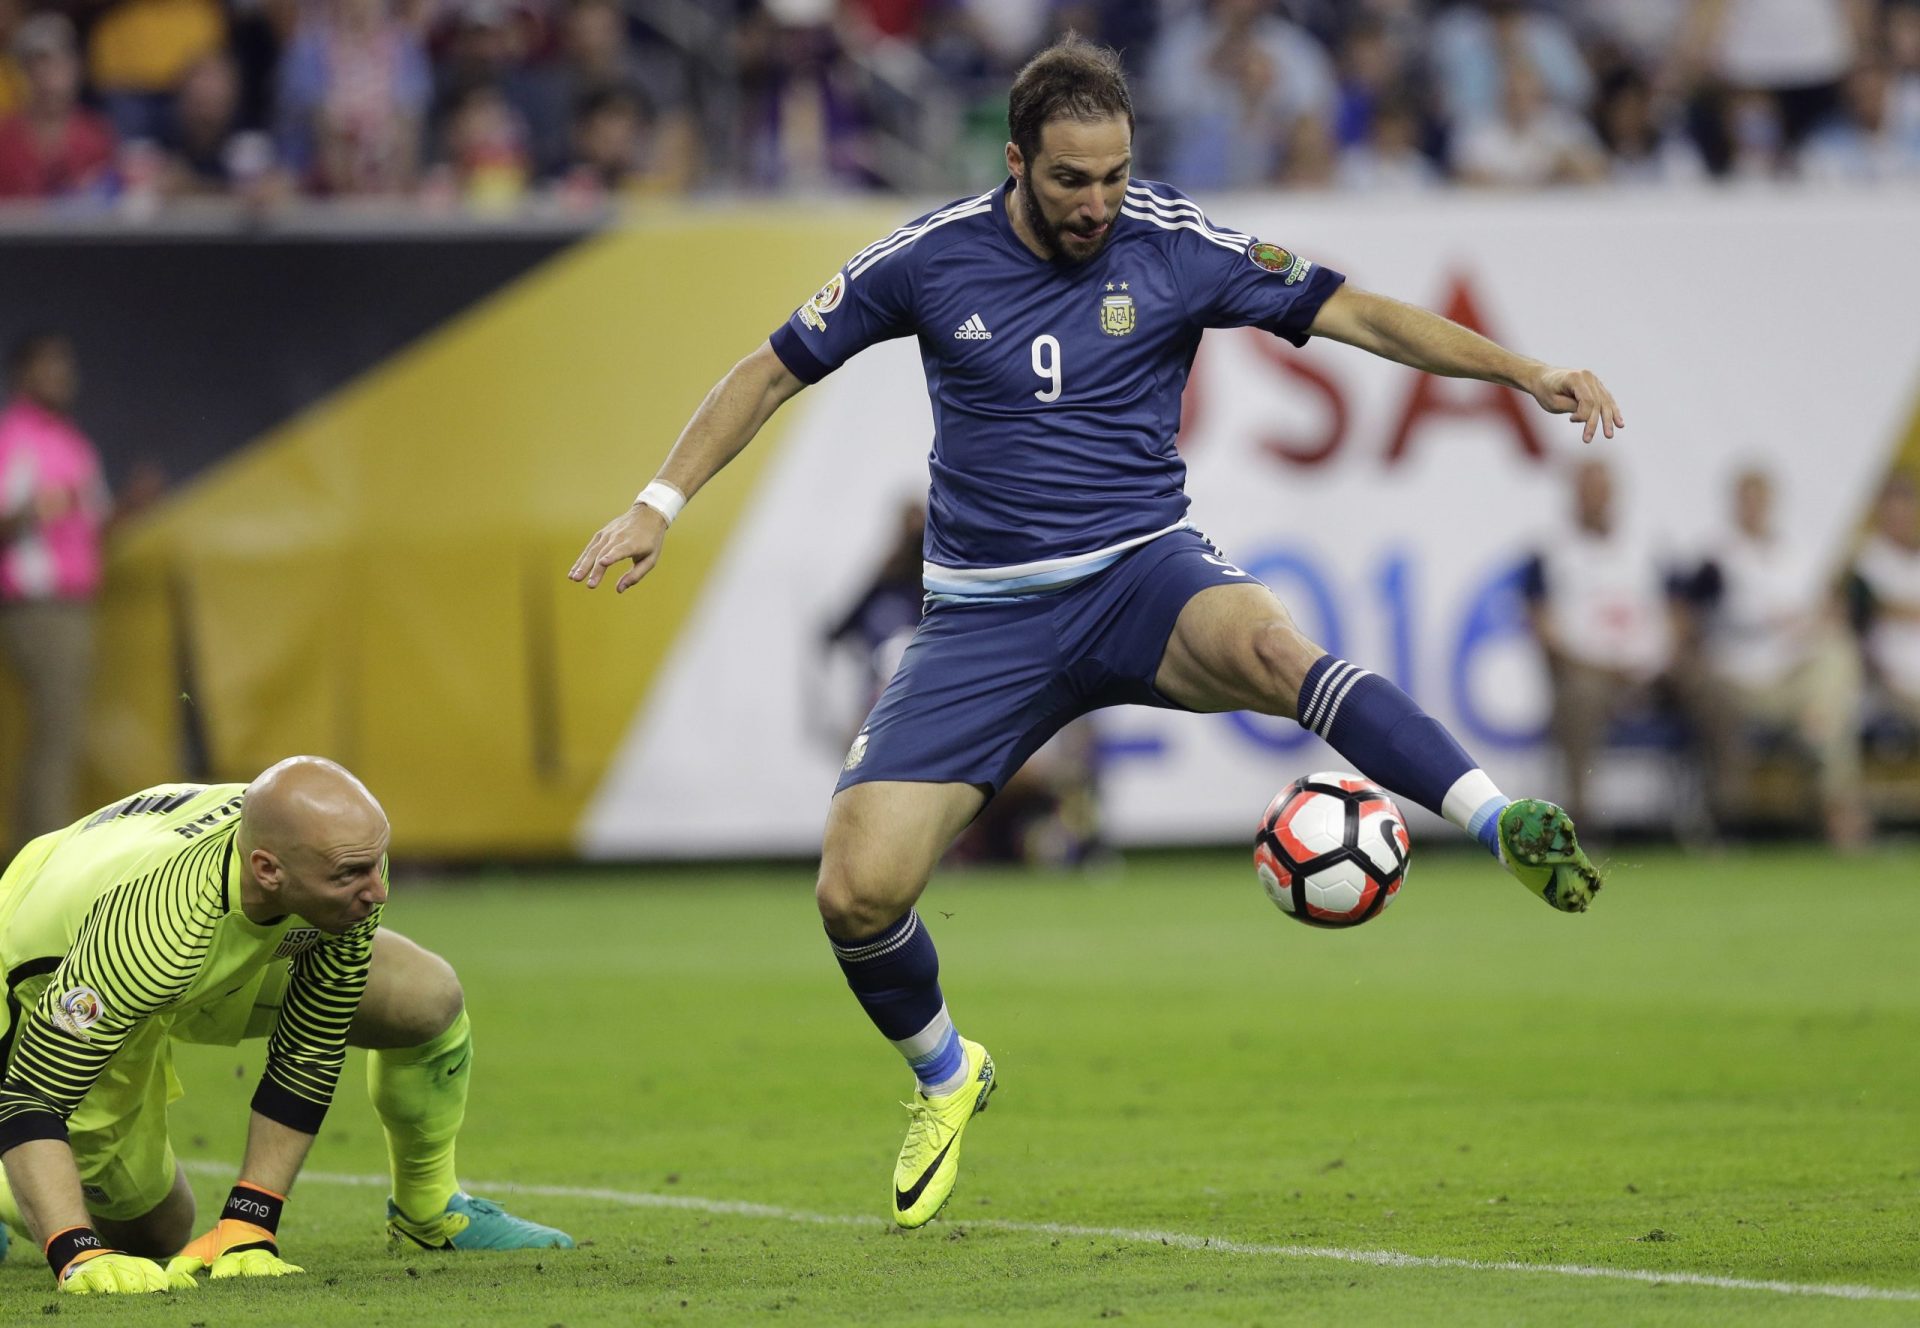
x=982 y=686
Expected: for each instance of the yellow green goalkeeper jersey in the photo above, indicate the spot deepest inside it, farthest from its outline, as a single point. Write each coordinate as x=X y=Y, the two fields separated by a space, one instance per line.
x=135 y=914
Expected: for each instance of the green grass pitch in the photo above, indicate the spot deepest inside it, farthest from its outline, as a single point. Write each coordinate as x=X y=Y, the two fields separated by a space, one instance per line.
x=1711 y=1074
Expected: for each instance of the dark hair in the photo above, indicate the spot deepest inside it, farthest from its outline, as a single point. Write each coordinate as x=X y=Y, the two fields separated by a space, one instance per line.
x=606 y=97
x=1073 y=79
x=30 y=347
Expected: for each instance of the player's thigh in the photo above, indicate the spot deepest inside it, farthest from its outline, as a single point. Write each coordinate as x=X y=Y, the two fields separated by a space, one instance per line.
x=1236 y=647
x=412 y=995
x=883 y=840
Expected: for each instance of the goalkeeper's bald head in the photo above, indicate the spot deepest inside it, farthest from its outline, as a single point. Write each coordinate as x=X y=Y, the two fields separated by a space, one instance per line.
x=313 y=838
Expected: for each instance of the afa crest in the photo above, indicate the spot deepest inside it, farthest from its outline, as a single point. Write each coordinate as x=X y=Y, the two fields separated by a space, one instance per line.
x=1272 y=258
x=1116 y=315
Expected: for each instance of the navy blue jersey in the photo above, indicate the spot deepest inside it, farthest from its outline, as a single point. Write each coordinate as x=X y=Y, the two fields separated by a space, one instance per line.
x=1055 y=388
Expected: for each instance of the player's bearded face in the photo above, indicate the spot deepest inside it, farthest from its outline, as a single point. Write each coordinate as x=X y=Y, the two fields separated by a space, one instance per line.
x=1072 y=189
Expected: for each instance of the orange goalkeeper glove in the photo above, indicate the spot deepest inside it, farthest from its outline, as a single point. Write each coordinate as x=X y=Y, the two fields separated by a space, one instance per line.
x=243 y=1243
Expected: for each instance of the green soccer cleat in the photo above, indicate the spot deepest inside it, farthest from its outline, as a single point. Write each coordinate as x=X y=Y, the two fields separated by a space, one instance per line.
x=468 y=1223
x=930 y=1159
x=1539 y=847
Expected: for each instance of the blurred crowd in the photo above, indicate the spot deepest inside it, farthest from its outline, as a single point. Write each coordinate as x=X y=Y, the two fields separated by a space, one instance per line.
x=493 y=103
x=1785 y=696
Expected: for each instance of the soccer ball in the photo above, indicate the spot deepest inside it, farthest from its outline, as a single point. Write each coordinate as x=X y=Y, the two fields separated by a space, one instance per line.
x=1332 y=850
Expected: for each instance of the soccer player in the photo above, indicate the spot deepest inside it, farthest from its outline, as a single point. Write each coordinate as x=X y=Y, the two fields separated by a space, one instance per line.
x=1057 y=317
x=210 y=914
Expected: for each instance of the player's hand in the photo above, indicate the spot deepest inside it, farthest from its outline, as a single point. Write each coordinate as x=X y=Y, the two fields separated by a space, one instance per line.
x=636 y=533
x=1579 y=393
x=243 y=1242
x=232 y=1249
x=111 y=1273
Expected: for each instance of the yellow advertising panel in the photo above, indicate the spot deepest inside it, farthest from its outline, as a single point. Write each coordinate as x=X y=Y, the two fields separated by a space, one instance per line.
x=381 y=579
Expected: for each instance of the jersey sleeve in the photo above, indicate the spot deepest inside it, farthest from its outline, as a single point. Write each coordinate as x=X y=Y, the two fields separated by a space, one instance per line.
x=1235 y=280
x=138 y=951
x=309 y=1041
x=866 y=302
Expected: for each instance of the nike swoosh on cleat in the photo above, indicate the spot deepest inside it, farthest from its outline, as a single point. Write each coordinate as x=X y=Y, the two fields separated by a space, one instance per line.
x=905 y=1199
x=461 y=1066
x=425 y=1245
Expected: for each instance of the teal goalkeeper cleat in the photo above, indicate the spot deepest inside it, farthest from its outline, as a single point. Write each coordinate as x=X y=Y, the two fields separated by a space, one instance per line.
x=468 y=1223
x=1538 y=846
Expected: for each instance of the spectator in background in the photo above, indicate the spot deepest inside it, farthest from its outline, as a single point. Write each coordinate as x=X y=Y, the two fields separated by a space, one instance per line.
x=1391 y=157
x=139 y=50
x=1767 y=73
x=805 y=118
x=354 y=87
x=1597 y=605
x=1903 y=55
x=1476 y=46
x=53 y=507
x=1244 y=97
x=1748 y=139
x=1531 y=142
x=13 y=79
x=52 y=147
x=614 y=148
x=1637 y=35
x=1640 y=149
x=484 y=163
x=262 y=30
x=208 y=153
x=484 y=44
x=1770 y=649
x=1371 y=71
x=1866 y=142
x=1886 y=577
x=1131 y=27
x=597 y=55
x=874 y=632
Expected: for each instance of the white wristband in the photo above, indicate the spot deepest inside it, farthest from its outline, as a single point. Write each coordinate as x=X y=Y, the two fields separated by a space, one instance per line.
x=663 y=498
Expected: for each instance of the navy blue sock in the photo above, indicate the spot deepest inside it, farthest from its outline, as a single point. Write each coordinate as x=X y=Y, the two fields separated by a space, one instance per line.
x=1399 y=746
x=896 y=976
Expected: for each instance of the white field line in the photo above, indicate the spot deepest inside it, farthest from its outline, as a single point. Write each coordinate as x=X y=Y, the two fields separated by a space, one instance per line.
x=1176 y=1239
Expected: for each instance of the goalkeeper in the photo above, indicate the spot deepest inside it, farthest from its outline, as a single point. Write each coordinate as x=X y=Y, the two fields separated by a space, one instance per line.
x=212 y=914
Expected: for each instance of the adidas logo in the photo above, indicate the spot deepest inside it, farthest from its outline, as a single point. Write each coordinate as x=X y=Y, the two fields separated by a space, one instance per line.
x=973 y=330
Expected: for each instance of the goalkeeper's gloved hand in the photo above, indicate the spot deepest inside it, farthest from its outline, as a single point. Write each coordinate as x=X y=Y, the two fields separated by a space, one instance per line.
x=83 y=1266
x=242 y=1243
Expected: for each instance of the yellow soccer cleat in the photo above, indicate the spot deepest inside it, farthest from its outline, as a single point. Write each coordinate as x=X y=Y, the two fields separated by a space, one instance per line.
x=1539 y=847
x=930 y=1159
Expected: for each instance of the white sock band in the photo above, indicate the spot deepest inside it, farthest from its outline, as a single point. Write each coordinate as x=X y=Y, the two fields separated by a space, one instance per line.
x=1466 y=799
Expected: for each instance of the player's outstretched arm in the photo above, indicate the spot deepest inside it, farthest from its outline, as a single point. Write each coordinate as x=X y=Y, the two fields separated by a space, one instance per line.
x=735 y=410
x=1424 y=340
